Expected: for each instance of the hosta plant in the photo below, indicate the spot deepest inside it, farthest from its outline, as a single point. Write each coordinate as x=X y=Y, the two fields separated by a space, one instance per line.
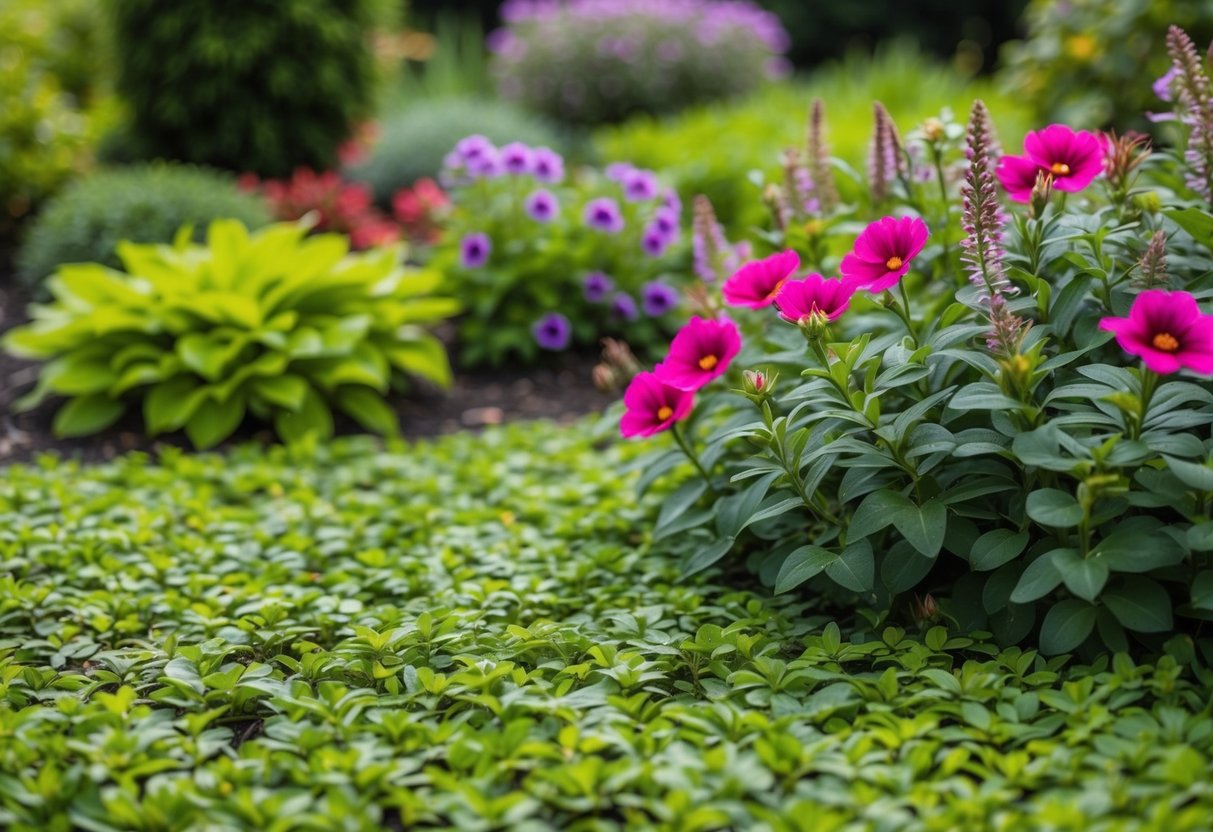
x=270 y=324
x=995 y=406
x=546 y=259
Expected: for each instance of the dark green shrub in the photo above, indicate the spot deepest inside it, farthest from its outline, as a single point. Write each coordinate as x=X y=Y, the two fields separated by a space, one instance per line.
x=145 y=204
x=413 y=143
x=260 y=85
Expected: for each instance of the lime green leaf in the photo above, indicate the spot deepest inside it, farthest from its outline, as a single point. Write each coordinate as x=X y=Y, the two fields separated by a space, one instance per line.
x=87 y=414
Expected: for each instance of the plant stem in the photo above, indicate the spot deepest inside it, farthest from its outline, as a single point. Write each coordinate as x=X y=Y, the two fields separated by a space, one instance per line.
x=692 y=456
x=1149 y=383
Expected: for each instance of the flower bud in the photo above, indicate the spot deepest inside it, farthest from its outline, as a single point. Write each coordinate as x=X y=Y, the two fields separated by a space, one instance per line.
x=814 y=327
x=758 y=385
x=1041 y=191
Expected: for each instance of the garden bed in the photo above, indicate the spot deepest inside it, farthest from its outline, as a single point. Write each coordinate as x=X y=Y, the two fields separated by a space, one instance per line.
x=560 y=390
x=474 y=633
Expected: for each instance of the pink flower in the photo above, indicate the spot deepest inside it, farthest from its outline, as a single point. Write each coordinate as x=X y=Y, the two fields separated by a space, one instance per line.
x=883 y=252
x=699 y=353
x=653 y=406
x=1018 y=175
x=1167 y=331
x=800 y=300
x=756 y=284
x=1072 y=158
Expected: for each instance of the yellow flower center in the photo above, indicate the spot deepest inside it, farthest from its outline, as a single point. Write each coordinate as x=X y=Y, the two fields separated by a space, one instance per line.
x=665 y=413
x=775 y=290
x=893 y=263
x=708 y=362
x=1166 y=342
x=1060 y=169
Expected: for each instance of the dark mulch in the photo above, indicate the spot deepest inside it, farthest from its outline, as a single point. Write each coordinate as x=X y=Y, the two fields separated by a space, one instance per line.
x=561 y=391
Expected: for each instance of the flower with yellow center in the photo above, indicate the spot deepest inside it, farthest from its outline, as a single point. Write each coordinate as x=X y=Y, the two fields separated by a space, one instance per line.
x=1166 y=342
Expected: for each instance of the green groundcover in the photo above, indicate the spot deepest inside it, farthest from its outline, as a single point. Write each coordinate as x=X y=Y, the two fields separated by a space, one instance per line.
x=474 y=634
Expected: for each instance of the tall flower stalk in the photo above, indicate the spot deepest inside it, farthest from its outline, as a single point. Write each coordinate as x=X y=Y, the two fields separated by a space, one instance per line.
x=1195 y=110
x=819 y=159
x=885 y=161
x=981 y=249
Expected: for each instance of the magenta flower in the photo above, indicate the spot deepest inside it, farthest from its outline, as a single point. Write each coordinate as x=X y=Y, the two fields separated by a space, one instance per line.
x=653 y=406
x=756 y=284
x=883 y=252
x=700 y=352
x=799 y=301
x=1072 y=158
x=1018 y=177
x=1167 y=331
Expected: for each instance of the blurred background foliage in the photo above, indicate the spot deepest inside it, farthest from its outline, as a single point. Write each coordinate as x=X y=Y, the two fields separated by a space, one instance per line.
x=711 y=149
x=247 y=85
x=267 y=86
x=1091 y=62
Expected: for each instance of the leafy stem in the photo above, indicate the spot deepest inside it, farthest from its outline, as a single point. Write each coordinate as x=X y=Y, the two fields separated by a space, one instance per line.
x=690 y=454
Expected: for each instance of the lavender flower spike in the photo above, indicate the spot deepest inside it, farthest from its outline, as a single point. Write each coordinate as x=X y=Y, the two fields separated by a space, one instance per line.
x=1195 y=109
x=981 y=249
x=819 y=160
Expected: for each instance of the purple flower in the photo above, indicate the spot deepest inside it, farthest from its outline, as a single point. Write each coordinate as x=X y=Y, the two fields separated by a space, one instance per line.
x=553 y=331
x=474 y=250
x=473 y=147
x=547 y=165
x=1162 y=86
x=623 y=306
x=653 y=241
x=671 y=200
x=665 y=220
x=639 y=185
x=542 y=206
x=597 y=286
x=517 y=158
x=488 y=164
x=616 y=171
x=603 y=214
x=658 y=298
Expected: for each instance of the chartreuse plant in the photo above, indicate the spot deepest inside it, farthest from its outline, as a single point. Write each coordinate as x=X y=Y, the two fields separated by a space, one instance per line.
x=473 y=634
x=271 y=324
x=999 y=413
